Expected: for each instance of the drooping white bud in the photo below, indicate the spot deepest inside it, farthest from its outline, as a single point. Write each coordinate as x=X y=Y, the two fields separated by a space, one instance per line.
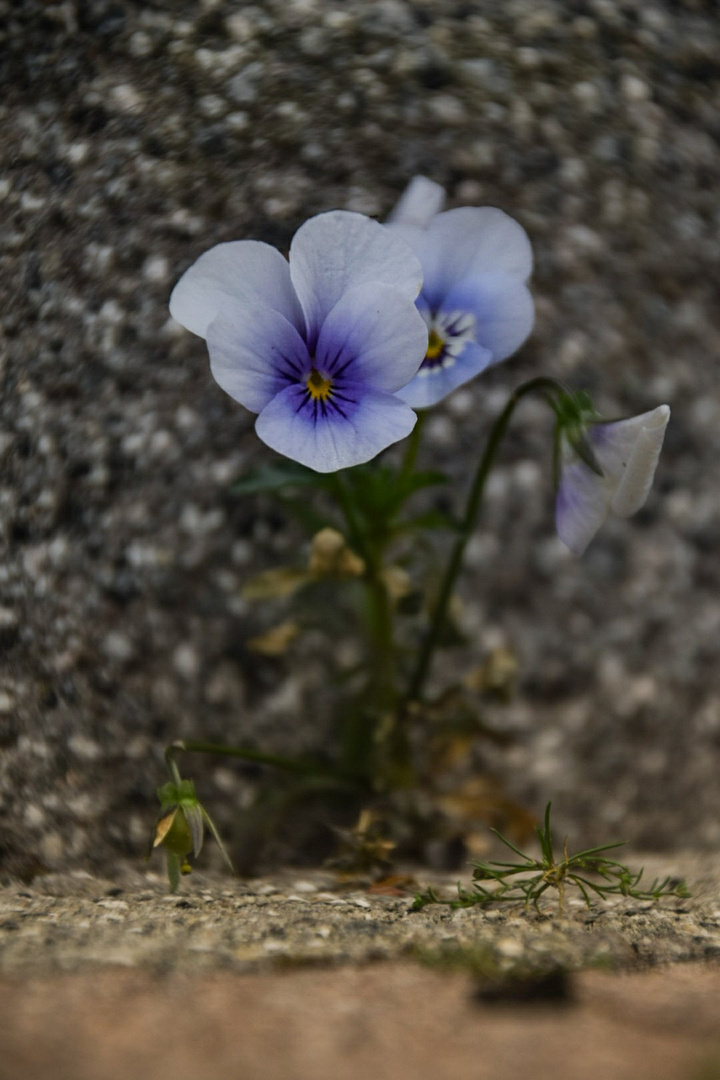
x=627 y=452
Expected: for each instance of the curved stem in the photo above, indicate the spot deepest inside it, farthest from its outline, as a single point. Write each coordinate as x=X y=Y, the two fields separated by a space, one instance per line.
x=497 y=433
x=172 y=764
x=259 y=757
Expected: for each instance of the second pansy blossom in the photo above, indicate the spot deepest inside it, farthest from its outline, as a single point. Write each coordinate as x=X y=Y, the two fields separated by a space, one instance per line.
x=474 y=299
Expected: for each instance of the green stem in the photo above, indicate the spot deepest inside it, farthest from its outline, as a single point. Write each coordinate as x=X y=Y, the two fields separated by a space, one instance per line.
x=382 y=645
x=379 y=609
x=381 y=630
x=362 y=724
x=173 y=871
x=344 y=500
x=172 y=765
x=259 y=757
x=413 y=445
x=358 y=730
x=497 y=433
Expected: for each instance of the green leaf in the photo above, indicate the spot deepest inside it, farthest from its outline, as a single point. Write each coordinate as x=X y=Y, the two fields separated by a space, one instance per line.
x=431 y=519
x=167 y=794
x=186 y=791
x=304 y=512
x=409 y=483
x=171 y=794
x=216 y=836
x=545 y=838
x=590 y=853
x=380 y=491
x=512 y=847
x=283 y=474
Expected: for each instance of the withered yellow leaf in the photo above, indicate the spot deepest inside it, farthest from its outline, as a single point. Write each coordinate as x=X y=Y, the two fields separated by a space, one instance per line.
x=274 y=584
x=163 y=827
x=274 y=642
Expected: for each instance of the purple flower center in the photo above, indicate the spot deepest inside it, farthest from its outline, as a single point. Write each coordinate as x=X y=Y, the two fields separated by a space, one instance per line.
x=320 y=395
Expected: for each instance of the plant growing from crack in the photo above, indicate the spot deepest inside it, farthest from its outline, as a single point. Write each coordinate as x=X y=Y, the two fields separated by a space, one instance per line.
x=340 y=350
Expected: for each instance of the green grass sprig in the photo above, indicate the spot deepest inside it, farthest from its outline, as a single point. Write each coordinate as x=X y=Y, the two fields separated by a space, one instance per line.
x=609 y=877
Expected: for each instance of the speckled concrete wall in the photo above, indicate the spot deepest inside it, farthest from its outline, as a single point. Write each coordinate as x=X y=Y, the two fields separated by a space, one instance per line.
x=136 y=135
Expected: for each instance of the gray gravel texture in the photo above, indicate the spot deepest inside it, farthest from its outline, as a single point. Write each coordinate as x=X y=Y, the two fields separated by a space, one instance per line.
x=135 y=136
x=77 y=921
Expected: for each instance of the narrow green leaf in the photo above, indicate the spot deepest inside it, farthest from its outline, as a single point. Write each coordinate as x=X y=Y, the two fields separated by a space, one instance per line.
x=596 y=850
x=216 y=837
x=512 y=847
x=278 y=476
x=431 y=519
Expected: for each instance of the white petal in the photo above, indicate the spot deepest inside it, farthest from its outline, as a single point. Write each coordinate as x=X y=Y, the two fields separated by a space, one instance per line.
x=613 y=442
x=503 y=310
x=469 y=241
x=581 y=506
x=376 y=336
x=415 y=236
x=335 y=252
x=244 y=270
x=639 y=472
x=421 y=200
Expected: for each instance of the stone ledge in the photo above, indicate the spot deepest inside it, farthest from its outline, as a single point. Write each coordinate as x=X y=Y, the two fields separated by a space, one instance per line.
x=75 y=922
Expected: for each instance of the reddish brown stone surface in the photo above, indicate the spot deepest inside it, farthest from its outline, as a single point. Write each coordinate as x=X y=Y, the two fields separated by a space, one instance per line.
x=394 y=1021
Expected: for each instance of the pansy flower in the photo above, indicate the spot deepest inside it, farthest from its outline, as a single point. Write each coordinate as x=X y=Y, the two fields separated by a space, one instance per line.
x=474 y=299
x=609 y=466
x=317 y=345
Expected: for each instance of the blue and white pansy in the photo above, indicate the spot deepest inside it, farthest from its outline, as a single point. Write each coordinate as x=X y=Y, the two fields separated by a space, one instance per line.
x=626 y=453
x=475 y=301
x=317 y=345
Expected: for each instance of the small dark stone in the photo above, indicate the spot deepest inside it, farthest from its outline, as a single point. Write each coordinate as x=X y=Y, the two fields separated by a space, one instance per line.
x=549 y=988
x=435 y=76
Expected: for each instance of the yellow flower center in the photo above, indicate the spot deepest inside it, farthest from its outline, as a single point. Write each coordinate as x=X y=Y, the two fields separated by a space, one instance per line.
x=435 y=346
x=318 y=386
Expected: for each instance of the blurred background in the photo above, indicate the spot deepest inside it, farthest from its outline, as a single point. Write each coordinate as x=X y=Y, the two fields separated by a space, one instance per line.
x=137 y=135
